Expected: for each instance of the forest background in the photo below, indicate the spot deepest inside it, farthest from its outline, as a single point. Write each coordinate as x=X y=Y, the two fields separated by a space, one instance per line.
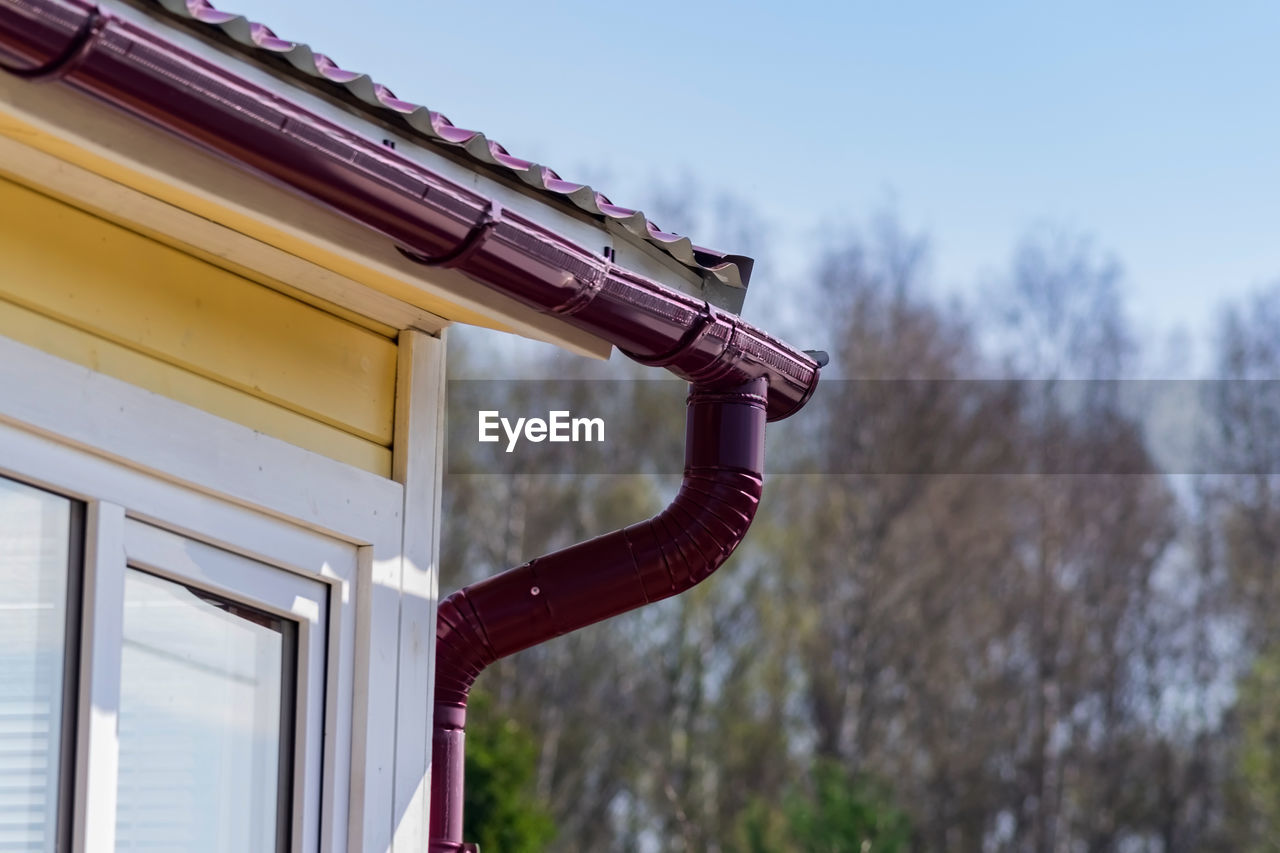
x=1013 y=585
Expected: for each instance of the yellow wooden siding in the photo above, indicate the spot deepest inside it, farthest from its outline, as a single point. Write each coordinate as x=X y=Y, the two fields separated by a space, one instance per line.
x=49 y=176
x=103 y=296
x=65 y=149
x=103 y=356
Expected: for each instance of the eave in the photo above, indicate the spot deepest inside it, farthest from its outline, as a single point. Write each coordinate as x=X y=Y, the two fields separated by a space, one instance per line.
x=433 y=217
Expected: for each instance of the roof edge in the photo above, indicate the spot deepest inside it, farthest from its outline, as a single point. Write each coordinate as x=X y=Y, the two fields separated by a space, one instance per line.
x=436 y=130
x=423 y=214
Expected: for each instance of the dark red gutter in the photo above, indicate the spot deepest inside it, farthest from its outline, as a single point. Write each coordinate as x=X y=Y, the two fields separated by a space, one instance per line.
x=598 y=579
x=429 y=217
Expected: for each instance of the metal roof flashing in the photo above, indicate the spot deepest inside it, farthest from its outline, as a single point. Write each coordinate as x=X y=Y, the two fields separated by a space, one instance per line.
x=370 y=110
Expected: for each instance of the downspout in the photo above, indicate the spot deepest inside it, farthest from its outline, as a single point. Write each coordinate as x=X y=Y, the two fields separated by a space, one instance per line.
x=598 y=579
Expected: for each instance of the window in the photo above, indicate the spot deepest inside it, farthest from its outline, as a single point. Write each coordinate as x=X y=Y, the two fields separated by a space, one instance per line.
x=208 y=682
x=206 y=691
x=221 y=690
x=40 y=534
x=290 y=608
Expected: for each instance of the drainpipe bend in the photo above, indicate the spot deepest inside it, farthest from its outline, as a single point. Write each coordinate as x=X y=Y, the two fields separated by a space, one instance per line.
x=595 y=580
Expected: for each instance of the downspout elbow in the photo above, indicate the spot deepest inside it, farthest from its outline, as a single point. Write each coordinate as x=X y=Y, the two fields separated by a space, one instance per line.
x=603 y=577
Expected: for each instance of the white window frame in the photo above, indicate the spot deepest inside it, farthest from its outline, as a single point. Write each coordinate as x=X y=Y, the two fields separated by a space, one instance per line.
x=134 y=456
x=289 y=594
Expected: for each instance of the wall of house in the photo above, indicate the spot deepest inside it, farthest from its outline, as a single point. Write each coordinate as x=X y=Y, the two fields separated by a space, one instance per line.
x=172 y=330
x=119 y=302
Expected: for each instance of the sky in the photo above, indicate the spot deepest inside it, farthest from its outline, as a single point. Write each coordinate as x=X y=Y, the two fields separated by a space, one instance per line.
x=1152 y=127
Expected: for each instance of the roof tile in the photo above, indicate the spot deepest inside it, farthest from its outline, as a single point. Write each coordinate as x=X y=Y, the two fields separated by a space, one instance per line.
x=436 y=129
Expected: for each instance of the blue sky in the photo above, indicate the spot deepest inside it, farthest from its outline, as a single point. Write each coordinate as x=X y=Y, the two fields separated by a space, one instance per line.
x=1153 y=127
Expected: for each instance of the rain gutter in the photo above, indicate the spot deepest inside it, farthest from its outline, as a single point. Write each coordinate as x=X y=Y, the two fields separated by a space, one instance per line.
x=424 y=215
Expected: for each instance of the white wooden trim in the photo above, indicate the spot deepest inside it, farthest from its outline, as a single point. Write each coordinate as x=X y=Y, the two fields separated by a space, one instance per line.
x=396 y=624
x=44 y=461
x=182 y=444
x=370 y=777
x=418 y=463
x=339 y=713
x=97 y=744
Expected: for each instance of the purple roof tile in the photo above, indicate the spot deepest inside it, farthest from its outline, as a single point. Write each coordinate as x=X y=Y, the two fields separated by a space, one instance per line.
x=436 y=129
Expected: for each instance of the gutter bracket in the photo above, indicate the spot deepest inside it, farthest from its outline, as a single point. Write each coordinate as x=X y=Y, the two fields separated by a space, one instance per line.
x=71 y=56
x=470 y=244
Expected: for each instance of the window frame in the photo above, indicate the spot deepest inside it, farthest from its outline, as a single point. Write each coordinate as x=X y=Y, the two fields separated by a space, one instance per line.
x=115 y=540
x=292 y=596
x=60 y=823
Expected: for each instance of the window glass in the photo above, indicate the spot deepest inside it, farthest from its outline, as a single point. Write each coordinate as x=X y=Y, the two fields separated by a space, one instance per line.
x=205 y=698
x=35 y=554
